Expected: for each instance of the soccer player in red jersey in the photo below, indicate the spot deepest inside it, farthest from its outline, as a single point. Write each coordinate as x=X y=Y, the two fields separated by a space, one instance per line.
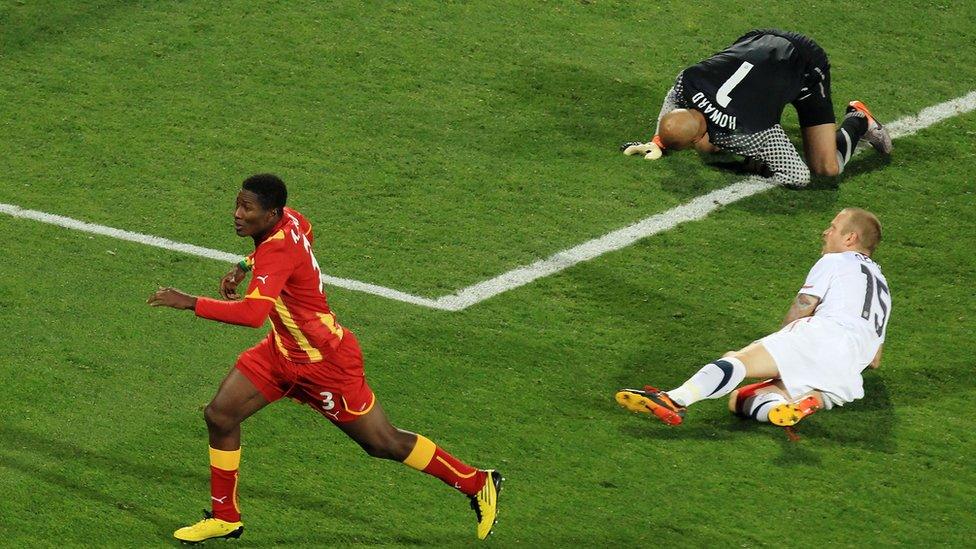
x=307 y=356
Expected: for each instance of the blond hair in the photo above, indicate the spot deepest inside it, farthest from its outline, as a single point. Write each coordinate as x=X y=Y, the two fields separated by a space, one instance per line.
x=867 y=227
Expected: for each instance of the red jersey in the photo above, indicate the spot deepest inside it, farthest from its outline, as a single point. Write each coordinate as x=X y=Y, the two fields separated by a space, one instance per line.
x=286 y=285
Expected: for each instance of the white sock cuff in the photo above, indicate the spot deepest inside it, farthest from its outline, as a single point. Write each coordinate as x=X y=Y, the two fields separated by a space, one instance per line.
x=737 y=365
x=850 y=149
x=758 y=407
x=713 y=380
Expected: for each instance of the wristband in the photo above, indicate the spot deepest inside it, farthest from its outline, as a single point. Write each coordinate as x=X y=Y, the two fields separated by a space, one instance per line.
x=243 y=265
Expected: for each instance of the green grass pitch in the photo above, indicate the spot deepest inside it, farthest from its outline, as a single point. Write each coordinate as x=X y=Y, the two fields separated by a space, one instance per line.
x=434 y=145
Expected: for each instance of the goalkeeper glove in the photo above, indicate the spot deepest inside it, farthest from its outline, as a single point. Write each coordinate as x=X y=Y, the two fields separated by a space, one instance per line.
x=652 y=150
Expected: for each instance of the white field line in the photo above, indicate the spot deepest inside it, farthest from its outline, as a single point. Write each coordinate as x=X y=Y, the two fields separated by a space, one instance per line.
x=166 y=244
x=697 y=208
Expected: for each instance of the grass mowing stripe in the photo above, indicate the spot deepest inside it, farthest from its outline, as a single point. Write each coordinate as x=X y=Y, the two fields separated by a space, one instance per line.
x=696 y=209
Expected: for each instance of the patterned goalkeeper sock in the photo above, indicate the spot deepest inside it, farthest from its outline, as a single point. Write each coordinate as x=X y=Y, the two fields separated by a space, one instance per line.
x=223 y=484
x=429 y=458
x=714 y=380
x=851 y=131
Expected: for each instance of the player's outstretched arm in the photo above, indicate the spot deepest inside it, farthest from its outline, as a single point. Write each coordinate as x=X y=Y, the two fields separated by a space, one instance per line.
x=247 y=312
x=171 y=297
x=803 y=306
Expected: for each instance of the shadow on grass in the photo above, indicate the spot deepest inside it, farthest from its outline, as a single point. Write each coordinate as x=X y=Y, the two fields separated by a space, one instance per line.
x=45 y=452
x=586 y=105
x=30 y=24
x=35 y=469
x=867 y=424
x=864 y=163
x=587 y=112
x=820 y=195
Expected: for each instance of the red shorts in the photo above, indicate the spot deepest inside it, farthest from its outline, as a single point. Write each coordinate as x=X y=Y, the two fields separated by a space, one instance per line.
x=335 y=387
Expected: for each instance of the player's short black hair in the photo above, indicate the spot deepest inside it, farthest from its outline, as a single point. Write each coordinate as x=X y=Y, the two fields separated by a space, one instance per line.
x=270 y=189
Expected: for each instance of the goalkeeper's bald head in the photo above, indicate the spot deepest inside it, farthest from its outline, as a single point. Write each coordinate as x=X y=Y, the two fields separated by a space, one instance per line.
x=682 y=128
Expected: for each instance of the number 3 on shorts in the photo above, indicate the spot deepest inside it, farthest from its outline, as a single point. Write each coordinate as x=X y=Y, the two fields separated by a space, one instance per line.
x=327 y=402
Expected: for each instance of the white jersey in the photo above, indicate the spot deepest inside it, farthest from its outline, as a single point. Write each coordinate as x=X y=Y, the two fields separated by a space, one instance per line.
x=853 y=293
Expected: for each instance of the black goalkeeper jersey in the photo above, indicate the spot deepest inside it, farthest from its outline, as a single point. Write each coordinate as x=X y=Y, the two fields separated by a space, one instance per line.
x=742 y=91
x=745 y=87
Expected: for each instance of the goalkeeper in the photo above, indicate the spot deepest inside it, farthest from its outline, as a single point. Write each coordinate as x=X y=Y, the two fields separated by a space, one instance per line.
x=733 y=102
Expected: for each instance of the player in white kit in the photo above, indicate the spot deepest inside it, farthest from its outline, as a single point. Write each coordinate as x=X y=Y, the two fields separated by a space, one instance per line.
x=835 y=329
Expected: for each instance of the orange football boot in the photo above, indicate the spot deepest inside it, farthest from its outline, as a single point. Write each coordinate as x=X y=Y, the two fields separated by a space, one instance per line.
x=876 y=135
x=651 y=401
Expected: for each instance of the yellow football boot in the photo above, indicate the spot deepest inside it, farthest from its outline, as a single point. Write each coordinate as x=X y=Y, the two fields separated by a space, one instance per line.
x=209 y=528
x=485 y=503
x=789 y=414
x=652 y=401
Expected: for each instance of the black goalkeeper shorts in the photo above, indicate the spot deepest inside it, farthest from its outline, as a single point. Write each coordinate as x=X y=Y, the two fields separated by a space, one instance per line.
x=814 y=105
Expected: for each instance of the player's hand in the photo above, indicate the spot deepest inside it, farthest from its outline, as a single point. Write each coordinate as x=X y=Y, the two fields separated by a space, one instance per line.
x=649 y=150
x=228 y=284
x=171 y=297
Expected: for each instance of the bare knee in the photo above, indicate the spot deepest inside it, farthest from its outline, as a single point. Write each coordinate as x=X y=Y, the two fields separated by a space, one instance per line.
x=828 y=169
x=729 y=354
x=394 y=445
x=377 y=449
x=219 y=420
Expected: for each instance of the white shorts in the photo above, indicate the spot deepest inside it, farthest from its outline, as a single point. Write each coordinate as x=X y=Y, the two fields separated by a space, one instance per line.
x=815 y=354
